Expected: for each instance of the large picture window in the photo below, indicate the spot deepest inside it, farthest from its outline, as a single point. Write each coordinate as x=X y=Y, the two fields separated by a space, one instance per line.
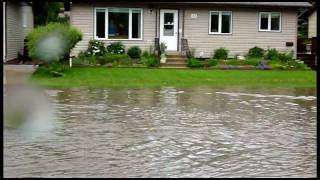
x=118 y=23
x=270 y=21
x=220 y=22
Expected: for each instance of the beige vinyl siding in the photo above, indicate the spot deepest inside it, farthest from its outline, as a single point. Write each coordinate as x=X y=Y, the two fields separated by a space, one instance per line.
x=312 y=25
x=245 y=32
x=14 y=30
x=82 y=17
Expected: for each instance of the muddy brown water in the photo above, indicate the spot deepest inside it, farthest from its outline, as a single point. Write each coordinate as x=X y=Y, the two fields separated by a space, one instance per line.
x=169 y=132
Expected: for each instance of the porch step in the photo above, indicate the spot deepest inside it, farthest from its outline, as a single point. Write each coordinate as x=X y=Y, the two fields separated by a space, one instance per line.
x=173 y=53
x=175 y=60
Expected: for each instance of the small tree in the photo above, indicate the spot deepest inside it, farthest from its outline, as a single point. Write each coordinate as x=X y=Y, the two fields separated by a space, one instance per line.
x=52 y=43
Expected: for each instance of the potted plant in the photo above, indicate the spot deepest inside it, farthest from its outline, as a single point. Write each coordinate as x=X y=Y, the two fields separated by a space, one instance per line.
x=163 y=48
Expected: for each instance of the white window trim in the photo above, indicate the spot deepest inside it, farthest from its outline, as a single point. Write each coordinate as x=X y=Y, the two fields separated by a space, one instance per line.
x=106 y=24
x=269 y=22
x=220 y=23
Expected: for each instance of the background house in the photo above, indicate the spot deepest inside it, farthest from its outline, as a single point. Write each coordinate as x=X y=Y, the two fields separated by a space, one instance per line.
x=248 y=24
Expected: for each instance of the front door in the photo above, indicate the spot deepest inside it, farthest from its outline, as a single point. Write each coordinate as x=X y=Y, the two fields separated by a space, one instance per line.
x=169 y=28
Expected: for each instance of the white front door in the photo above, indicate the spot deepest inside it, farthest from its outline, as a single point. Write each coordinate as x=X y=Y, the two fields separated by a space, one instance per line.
x=169 y=28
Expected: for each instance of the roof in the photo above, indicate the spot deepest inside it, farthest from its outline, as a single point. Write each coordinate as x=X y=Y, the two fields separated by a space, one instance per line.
x=278 y=4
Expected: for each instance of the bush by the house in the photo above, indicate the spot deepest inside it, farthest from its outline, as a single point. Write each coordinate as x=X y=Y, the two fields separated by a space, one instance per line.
x=221 y=53
x=232 y=62
x=116 y=48
x=272 y=54
x=134 y=52
x=251 y=61
x=145 y=54
x=212 y=62
x=285 y=57
x=256 y=52
x=150 y=60
x=194 y=63
x=96 y=48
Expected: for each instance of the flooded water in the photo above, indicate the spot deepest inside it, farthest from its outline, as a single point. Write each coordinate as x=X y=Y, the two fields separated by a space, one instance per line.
x=169 y=132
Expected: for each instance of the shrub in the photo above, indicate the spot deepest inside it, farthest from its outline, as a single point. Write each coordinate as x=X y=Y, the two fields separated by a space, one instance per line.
x=212 y=62
x=134 y=52
x=150 y=61
x=96 y=48
x=232 y=62
x=297 y=64
x=256 y=52
x=114 y=58
x=251 y=61
x=145 y=54
x=285 y=57
x=116 y=48
x=194 y=63
x=272 y=54
x=221 y=53
x=52 y=42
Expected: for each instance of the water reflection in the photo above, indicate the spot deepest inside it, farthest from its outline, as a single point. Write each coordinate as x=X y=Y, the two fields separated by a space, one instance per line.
x=172 y=132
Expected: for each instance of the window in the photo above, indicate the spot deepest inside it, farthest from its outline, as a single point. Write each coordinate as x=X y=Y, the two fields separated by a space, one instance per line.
x=220 y=22
x=118 y=23
x=270 y=21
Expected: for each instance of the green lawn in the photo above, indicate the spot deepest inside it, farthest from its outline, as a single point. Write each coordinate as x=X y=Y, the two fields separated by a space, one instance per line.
x=143 y=77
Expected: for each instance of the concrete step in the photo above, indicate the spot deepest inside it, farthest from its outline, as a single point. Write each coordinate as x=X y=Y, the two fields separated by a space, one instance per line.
x=176 y=56
x=173 y=53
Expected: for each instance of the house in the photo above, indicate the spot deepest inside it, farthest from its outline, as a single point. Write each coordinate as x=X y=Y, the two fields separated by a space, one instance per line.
x=17 y=23
x=205 y=26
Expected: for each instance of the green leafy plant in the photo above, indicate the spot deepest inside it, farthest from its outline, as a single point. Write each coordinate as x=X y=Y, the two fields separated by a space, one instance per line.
x=212 y=62
x=221 y=53
x=232 y=62
x=116 y=48
x=256 y=52
x=194 y=63
x=251 y=61
x=272 y=54
x=285 y=57
x=145 y=54
x=96 y=48
x=150 y=61
x=134 y=52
